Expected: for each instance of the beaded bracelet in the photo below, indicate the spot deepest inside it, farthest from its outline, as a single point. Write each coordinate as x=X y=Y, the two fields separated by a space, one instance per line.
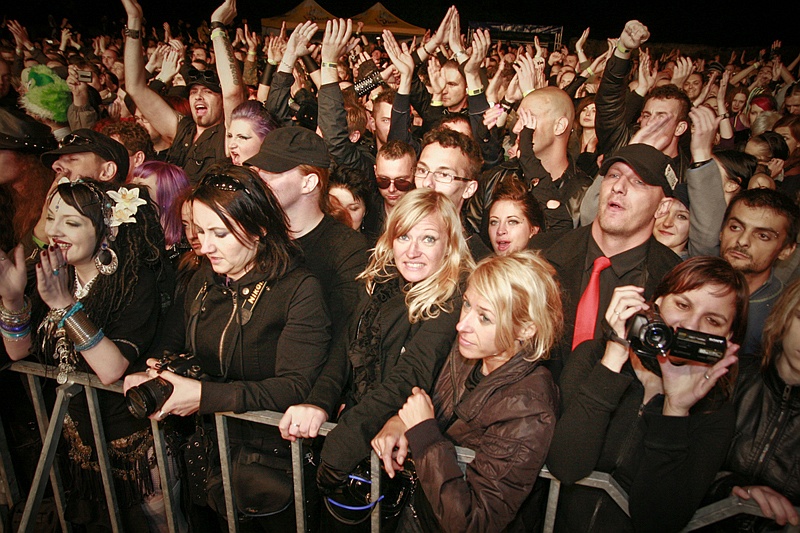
x=72 y=310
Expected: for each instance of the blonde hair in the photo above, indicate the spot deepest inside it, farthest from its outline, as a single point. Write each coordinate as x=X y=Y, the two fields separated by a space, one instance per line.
x=427 y=298
x=776 y=326
x=522 y=289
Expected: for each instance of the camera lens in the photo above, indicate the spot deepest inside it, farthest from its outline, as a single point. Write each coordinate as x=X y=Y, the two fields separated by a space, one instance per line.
x=657 y=336
x=148 y=397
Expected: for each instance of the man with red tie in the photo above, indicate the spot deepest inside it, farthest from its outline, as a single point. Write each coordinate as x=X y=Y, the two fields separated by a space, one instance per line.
x=618 y=248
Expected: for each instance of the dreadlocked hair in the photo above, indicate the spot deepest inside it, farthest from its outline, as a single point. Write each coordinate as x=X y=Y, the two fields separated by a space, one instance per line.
x=137 y=245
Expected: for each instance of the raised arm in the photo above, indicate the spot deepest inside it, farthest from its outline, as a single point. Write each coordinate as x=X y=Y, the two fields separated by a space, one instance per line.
x=160 y=115
x=230 y=78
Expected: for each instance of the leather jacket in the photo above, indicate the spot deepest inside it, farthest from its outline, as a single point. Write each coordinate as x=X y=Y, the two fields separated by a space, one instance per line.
x=508 y=419
x=767 y=438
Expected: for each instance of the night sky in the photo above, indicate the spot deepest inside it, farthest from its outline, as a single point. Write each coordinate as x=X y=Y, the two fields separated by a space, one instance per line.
x=715 y=23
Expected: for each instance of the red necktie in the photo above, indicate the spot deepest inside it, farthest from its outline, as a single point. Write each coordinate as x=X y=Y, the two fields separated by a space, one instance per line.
x=586 y=317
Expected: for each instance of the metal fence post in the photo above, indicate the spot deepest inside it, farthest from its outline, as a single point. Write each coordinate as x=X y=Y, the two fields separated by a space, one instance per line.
x=49 y=444
x=163 y=471
x=102 y=458
x=43 y=422
x=299 y=485
x=375 y=492
x=225 y=463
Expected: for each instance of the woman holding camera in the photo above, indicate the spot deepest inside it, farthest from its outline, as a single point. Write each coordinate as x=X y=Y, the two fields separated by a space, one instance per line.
x=493 y=395
x=661 y=427
x=257 y=325
x=95 y=309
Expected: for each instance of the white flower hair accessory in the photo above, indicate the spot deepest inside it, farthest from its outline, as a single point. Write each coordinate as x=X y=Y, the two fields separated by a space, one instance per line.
x=126 y=204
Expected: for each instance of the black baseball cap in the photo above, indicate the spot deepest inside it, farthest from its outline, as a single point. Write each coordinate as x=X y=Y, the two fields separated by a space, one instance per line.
x=86 y=140
x=286 y=148
x=649 y=163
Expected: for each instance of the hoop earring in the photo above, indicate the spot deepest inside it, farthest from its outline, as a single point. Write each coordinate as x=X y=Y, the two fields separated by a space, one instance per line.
x=106 y=260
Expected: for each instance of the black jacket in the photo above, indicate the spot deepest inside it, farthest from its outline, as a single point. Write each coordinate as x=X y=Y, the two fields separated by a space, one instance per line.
x=765 y=449
x=664 y=463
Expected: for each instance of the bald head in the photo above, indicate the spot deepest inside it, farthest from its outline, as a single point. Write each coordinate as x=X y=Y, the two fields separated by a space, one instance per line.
x=550 y=101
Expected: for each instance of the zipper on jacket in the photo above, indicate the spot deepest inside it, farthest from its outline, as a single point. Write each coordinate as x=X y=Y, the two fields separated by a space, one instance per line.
x=234 y=295
x=776 y=429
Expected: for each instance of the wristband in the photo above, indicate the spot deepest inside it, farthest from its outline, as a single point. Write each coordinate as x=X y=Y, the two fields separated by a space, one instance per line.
x=698 y=164
x=459 y=53
x=251 y=53
x=287 y=65
x=526 y=93
x=133 y=34
x=72 y=310
x=310 y=64
x=590 y=71
x=611 y=335
x=216 y=24
x=218 y=33
x=475 y=92
x=328 y=64
x=726 y=115
x=622 y=48
x=269 y=70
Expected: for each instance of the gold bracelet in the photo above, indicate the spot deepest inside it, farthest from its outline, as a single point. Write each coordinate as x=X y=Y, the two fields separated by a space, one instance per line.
x=79 y=328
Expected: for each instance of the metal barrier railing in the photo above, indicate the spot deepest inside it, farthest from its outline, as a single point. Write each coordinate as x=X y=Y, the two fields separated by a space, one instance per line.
x=47 y=470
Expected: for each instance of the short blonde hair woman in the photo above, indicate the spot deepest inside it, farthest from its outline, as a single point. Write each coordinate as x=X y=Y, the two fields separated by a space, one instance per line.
x=493 y=396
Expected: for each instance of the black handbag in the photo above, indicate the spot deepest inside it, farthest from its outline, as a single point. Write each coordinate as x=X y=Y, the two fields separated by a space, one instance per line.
x=262 y=483
x=351 y=504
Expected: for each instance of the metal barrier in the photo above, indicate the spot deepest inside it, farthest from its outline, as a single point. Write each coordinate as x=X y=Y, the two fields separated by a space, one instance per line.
x=50 y=430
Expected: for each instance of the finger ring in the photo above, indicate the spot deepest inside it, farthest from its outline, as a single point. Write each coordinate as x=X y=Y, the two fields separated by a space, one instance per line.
x=2 y=258
x=706 y=376
x=55 y=272
x=296 y=425
x=616 y=313
x=748 y=492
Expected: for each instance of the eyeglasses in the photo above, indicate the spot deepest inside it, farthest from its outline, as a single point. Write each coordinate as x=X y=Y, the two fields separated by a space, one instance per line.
x=438 y=175
x=223 y=182
x=401 y=184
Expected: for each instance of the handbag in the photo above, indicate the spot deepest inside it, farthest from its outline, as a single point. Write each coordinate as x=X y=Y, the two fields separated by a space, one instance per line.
x=261 y=482
x=351 y=504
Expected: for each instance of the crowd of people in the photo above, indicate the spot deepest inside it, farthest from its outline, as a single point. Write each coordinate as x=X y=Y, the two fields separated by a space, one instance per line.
x=550 y=257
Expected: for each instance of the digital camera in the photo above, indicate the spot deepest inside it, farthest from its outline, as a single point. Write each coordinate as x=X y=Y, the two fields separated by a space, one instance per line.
x=149 y=397
x=650 y=336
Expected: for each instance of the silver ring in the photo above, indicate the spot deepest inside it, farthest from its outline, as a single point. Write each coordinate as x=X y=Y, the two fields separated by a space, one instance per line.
x=706 y=376
x=616 y=313
x=2 y=258
x=162 y=414
x=55 y=272
x=296 y=425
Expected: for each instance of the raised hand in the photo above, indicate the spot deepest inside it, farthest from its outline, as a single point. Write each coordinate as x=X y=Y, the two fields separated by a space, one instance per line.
x=704 y=130
x=686 y=384
x=52 y=279
x=251 y=39
x=480 y=46
x=13 y=277
x=133 y=10
x=634 y=35
x=581 y=42
x=435 y=75
x=454 y=35
x=334 y=41
x=400 y=57
x=299 y=40
x=683 y=68
x=225 y=13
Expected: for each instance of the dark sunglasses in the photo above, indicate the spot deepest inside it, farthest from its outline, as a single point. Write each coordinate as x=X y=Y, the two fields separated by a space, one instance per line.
x=76 y=140
x=223 y=182
x=195 y=75
x=401 y=184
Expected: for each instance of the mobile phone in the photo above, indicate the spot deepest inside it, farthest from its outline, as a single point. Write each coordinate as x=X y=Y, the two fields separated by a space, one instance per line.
x=85 y=76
